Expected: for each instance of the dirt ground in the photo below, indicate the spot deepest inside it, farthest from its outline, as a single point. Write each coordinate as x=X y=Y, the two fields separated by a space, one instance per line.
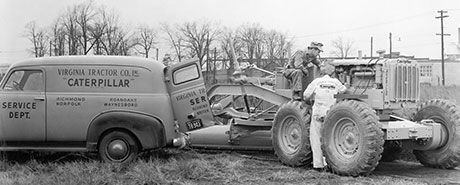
x=412 y=170
x=398 y=171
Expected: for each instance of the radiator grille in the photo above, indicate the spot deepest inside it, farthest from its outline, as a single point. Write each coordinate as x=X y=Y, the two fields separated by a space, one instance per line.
x=404 y=82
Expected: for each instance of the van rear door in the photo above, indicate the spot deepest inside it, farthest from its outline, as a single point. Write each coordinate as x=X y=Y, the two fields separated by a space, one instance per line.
x=188 y=95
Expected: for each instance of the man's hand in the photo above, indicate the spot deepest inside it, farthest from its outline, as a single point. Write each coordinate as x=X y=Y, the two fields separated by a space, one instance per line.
x=304 y=70
x=308 y=100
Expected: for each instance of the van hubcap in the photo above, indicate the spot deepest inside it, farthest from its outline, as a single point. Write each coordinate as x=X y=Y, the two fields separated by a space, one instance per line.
x=117 y=150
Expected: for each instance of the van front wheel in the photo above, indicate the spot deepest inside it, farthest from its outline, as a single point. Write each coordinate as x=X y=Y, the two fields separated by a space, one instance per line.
x=118 y=147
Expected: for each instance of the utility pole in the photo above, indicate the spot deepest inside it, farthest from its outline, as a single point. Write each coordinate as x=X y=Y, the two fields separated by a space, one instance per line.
x=157 y=54
x=215 y=68
x=50 y=48
x=372 y=45
x=390 y=45
x=442 y=42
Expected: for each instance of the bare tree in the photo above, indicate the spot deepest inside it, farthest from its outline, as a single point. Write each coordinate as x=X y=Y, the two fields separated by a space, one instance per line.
x=97 y=32
x=176 y=39
x=146 y=37
x=115 y=39
x=69 y=21
x=252 y=36
x=127 y=44
x=39 y=39
x=84 y=15
x=85 y=27
x=58 y=38
x=341 y=47
x=276 y=44
x=225 y=43
x=198 y=37
x=73 y=28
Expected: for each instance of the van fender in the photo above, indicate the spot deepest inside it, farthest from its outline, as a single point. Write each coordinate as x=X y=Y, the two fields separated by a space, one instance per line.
x=148 y=129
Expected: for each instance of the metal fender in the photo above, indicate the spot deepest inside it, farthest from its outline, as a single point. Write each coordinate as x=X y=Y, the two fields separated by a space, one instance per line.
x=148 y=129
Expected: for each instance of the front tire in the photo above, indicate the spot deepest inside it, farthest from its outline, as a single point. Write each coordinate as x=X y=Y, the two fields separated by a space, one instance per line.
x=352 y=139
x=445 y=113
x=118 y=147
x=290 y=134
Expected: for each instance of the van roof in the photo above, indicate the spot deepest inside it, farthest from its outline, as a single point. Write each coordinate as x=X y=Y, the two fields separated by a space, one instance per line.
x=91 y=60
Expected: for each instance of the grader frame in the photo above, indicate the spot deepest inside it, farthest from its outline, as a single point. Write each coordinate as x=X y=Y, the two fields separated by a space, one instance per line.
x=377 y=86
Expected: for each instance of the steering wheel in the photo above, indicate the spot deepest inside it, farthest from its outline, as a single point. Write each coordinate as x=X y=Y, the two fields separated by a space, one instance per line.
x=16 y=86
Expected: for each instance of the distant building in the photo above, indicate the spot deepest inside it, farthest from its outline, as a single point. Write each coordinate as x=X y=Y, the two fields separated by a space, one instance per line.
x=431 y=71
x=452 y=50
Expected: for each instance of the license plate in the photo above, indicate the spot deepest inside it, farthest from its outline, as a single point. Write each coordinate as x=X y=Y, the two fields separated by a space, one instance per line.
x=194 y=124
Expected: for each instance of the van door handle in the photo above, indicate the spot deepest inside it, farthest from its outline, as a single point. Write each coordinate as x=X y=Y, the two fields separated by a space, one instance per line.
x=39 y=98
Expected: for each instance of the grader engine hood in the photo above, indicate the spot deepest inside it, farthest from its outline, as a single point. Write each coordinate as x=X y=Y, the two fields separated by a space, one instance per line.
x=387 y=83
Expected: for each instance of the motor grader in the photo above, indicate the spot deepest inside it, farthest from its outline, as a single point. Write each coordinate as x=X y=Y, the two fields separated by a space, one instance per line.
x=362 y=126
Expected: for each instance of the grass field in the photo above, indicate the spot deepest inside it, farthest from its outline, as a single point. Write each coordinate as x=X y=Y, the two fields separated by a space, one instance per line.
x=173 y=166
x=180 y=167
x=451 y=93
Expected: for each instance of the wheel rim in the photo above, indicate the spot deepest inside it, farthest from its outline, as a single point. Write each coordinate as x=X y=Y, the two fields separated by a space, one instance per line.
x=346 y=137
x=291 y=137
x=444 y=130
x=117 y=150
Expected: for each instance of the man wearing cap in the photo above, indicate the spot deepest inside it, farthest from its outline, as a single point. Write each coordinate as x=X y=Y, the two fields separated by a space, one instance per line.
x=298 y=67
x=322 y=90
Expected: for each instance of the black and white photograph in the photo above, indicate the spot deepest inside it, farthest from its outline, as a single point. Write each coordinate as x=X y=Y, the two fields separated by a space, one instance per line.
x=148 y=92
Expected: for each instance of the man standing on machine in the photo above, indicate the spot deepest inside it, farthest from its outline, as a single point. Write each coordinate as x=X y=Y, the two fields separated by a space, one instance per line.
x=298 y=67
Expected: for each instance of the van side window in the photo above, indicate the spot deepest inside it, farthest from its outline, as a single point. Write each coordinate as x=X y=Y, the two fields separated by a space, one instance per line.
x=185 y=74
x=25 y=80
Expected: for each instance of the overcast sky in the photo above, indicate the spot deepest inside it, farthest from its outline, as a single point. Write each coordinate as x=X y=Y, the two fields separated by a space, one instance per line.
x=412 y=22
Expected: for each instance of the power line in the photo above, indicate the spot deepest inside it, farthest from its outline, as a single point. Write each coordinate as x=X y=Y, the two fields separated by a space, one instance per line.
x=363 y=27
x=390 y=45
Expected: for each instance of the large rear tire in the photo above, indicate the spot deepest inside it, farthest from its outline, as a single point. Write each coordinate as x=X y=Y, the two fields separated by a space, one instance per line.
x=290 y=134
x=445 y=113
x=352 y=140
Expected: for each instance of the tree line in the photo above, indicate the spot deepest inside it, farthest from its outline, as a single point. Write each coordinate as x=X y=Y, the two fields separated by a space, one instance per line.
x=88 y=28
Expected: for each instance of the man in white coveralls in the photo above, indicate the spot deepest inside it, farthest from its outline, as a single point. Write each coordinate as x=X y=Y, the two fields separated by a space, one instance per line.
x=322 y=90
